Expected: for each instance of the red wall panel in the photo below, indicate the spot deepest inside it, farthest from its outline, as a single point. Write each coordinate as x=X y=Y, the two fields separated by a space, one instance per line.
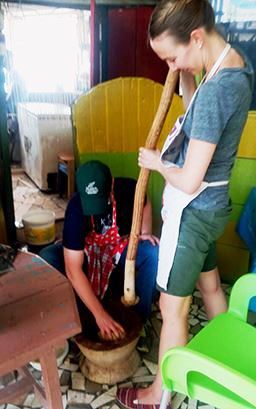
x=129 y=53
x=147 y=63
x=121 y=42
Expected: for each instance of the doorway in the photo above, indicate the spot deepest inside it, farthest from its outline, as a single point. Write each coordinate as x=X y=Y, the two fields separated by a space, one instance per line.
x=47 y=66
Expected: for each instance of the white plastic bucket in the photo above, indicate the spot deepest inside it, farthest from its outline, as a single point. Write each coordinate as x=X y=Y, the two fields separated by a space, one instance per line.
x=39 y=227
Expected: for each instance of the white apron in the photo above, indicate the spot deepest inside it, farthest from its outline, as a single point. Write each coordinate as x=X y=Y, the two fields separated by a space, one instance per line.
x=175 y=200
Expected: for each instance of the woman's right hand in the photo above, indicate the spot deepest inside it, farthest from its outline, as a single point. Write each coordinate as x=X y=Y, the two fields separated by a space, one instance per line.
x=110 y=330
x=149 y=158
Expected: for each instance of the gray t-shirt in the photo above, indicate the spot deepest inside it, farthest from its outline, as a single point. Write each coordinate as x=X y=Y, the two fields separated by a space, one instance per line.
x=218 y=115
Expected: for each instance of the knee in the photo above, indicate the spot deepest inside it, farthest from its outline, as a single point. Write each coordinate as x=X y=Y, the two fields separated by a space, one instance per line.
x=149 y=251
x=154 y=250
x=209 y=284
x=53 y=254
x=146 y=266
x=209 y=291
x=45 y=253
x=49 y=252
x=174 y=308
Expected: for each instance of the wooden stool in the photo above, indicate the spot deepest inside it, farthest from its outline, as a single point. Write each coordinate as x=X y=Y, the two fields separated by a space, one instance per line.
x=37 y=313
x=66 y=165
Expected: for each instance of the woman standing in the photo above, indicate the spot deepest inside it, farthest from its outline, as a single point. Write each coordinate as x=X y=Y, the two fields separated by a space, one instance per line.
x=196 y=163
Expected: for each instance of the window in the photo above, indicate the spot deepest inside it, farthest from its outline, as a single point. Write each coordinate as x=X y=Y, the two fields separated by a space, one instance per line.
x=48 y=48
x=234 y=10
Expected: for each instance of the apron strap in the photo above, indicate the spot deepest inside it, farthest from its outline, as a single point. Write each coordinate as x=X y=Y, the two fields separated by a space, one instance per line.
x=218 y=183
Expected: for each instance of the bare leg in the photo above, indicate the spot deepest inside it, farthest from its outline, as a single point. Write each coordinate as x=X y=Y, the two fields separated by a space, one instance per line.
x=213 y=296
x=174 y=332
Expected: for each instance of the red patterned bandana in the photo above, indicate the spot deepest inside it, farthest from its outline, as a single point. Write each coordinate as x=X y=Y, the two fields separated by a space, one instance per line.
x=103 y=252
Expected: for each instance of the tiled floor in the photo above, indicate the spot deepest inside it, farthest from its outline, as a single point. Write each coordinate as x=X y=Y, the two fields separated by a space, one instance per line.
x=27 y=196
x=80 y=393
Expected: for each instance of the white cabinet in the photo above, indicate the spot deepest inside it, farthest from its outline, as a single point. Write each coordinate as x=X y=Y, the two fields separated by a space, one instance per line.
x=45 y=131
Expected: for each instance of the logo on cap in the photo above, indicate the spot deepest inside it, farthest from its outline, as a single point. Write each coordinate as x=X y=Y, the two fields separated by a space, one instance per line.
x=91 y=189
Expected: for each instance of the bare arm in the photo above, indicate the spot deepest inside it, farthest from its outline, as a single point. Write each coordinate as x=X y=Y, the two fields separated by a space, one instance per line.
x=109 y=328
x=190 y=176
x=146 y=226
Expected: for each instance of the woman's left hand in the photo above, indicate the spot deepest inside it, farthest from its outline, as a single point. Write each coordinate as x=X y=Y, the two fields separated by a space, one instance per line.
x=149 y=158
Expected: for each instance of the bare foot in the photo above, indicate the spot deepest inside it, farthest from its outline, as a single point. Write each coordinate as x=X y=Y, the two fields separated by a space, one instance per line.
x=149 y=396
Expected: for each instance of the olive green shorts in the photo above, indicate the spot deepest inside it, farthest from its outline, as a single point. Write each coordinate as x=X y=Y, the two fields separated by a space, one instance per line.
x=196 y=248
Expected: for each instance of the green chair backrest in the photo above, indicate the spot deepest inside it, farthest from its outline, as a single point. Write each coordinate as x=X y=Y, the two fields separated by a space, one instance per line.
x=218 y=365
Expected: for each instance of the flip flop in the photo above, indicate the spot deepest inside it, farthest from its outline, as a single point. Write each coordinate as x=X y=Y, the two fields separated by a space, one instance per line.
x=128 y=398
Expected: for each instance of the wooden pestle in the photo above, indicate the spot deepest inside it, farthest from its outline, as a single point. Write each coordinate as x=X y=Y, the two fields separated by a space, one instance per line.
x=129 y=297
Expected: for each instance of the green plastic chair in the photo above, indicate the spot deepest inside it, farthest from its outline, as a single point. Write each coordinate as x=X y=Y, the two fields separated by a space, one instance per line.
x=218 y=366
